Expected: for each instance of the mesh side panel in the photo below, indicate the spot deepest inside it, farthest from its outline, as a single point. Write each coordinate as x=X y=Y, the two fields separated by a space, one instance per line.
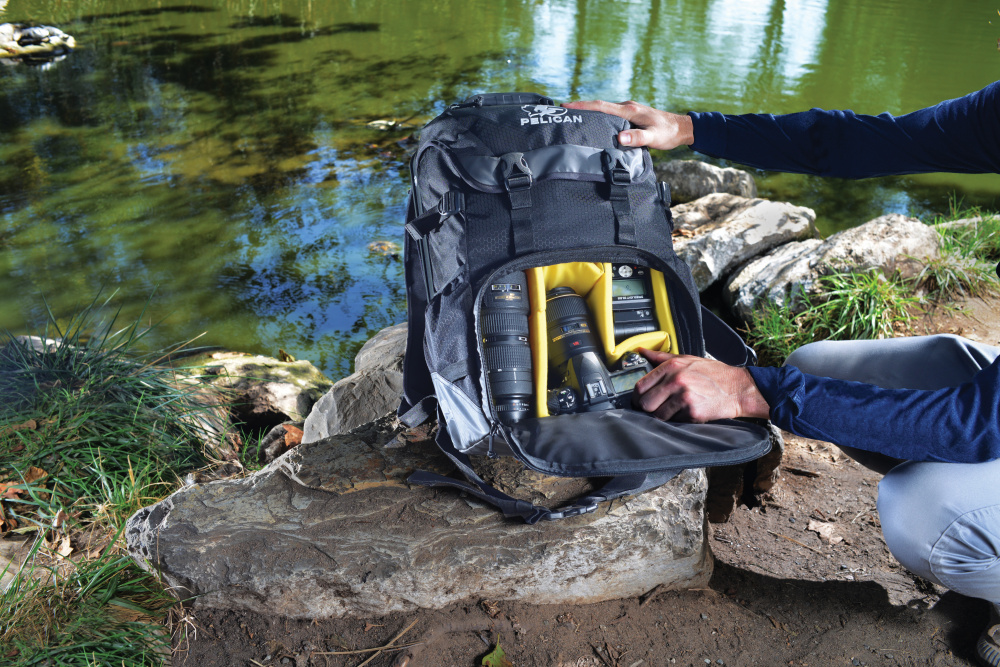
x=451 y=338
x=489 y=241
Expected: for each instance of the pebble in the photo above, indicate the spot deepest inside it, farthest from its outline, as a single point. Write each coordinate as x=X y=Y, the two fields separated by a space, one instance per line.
x=704 y=617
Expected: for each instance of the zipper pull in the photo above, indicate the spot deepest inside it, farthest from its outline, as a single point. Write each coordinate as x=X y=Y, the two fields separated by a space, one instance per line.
x=476 y=101
x=493 y=432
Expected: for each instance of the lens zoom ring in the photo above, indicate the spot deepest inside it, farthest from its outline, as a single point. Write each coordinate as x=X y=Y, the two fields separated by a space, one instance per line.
x=504 y=322
x=508 y=357
x=566 y=307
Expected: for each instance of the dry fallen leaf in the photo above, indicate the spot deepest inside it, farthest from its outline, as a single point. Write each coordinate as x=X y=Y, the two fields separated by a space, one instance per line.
x=825 y=531
x=293 y=435
x=6 y=523
x=29 y=425
x=34 y=474
x=59 y=519
x=62 y=547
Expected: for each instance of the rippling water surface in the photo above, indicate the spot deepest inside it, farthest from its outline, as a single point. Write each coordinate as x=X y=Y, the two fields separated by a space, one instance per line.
x=219 y=154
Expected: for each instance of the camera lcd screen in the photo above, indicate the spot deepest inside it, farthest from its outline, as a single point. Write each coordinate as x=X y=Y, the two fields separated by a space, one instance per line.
x=634 y=287
x=623 y=382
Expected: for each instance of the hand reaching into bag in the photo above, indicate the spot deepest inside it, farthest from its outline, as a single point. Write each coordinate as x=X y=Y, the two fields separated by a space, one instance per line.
x=656 y=129
x=688 y=388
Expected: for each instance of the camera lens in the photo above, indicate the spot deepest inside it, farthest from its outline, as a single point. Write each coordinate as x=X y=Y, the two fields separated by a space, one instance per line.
x=574 y=351
x=568 y=326
x=506 y=350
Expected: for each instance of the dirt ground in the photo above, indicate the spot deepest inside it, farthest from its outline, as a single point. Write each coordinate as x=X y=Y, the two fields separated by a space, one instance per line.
x=803 y=577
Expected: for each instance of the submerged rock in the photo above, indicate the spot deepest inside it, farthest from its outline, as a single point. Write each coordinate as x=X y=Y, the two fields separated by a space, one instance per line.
x=33 y=43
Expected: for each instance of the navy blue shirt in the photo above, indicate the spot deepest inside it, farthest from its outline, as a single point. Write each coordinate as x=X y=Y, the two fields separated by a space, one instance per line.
x=959 y=424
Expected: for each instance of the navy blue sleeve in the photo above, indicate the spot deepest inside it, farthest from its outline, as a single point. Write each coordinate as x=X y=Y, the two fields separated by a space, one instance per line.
x=956 y=424
x=960 y=135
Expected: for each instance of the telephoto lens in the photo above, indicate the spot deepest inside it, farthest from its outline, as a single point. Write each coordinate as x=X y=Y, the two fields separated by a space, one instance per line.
x=574 y=351
x=506 y=349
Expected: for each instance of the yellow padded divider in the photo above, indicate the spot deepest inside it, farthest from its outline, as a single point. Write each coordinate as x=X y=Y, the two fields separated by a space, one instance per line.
x=663 y=313
x=538 y=338
x=593 y=282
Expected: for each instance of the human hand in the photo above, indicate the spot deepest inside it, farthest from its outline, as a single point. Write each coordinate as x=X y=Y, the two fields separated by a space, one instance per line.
x=654 y=128
x=695 y=389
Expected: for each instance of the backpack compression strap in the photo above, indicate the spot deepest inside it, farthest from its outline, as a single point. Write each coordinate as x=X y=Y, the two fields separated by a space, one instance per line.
x=517 y=179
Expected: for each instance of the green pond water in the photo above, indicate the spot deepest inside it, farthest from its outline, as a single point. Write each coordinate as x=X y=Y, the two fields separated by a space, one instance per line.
x=217 y=155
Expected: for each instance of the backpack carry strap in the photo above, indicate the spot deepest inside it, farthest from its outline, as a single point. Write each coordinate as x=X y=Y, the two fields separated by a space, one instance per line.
x=616 y=487
x=619 y=178
x=723 y=343
x=517 y=179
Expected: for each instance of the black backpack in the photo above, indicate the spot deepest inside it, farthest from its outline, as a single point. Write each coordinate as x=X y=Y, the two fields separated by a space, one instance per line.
x=538 y=258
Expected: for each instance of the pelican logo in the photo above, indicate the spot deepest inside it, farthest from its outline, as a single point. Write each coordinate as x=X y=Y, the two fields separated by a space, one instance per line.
x=541 y=114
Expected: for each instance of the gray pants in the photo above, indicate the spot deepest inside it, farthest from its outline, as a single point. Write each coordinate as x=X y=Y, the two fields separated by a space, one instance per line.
x=940 y=520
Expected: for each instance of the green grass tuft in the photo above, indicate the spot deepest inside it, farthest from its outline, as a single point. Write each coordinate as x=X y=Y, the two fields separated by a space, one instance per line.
x=103 y=612
x=847 y=306
x=93 y=427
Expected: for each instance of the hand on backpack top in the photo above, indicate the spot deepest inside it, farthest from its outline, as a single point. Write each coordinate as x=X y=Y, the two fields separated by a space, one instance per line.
x=689 y=388
x=654 y=128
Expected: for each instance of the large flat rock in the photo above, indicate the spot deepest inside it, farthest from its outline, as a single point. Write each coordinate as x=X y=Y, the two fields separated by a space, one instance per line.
x=891 y=243
x=717 y=233
x=331 y=529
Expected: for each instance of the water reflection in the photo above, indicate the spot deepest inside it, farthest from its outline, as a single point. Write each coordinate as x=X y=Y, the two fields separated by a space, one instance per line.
x=220 y=152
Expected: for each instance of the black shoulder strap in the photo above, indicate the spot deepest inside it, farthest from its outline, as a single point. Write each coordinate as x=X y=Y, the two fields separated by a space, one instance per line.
x=723 y=343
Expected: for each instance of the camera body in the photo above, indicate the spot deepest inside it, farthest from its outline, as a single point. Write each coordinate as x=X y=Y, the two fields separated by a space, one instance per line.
x=632 y=305
x=586 y=382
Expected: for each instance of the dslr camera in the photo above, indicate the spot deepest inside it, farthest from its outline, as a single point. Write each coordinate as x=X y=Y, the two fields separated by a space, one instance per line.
x=575 y=355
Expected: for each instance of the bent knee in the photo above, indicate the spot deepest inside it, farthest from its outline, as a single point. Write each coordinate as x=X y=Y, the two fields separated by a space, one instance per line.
x=939 y=539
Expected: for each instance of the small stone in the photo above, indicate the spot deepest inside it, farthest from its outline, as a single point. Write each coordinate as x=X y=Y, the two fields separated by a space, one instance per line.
x=704 y=617
x=791 y=519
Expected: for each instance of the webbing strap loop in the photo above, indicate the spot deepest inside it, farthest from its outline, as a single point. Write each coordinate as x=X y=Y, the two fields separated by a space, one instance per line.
x=619 y=178
x=517 y=179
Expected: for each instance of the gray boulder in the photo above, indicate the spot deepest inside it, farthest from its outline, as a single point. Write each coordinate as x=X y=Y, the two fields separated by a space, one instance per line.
x=693 y=179
x=891 y=242
x=372 y=391
x=263 y=390
x=331 y=529
x=717 y=233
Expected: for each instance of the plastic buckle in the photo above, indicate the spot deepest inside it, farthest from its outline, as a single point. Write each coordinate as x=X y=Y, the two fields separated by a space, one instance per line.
x=574 y=510
x=512 y=181
x=616 y=169
x=452 y=202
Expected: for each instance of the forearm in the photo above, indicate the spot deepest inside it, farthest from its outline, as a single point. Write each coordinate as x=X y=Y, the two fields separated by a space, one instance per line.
x=961 y=135
x=957 y=424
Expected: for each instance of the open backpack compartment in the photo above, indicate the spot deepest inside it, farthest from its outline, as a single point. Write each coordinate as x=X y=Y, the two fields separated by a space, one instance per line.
x=527 y=238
